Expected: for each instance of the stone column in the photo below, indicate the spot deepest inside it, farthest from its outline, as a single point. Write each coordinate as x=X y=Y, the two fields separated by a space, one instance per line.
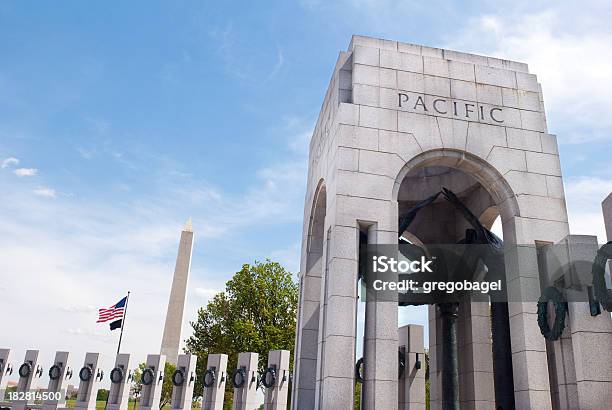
x=27 y=371
x=553 y=259
x=338 y=318
x=562 y=372
x=4 y=364
x=591 y=336
x=183 y=381
x=152 y=380
x=577 y=380
x=245 y=397
x=529 y=357
x=57 y=373
x=119 y=392
x=214 y=395
x=307 y=335
x=90 y=376
x=476 y=387
x=607 y=214
x=277 y=376
x=412 y=383
x=591 y=344
x=435 y=357
x=380 y=342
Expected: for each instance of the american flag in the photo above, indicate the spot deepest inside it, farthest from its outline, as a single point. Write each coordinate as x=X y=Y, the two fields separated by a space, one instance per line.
x=114 y=312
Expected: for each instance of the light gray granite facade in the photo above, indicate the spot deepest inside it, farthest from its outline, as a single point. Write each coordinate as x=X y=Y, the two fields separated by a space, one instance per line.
x=393 y=110
x=214 y=395
x=412 y=382
x=88 y=386
x=182 y=393
x=150 y=394
x=58 y=382
x=607 y=213
x=25 y=380
x=119 y=392
x=5 y=355
x=245 y=397
x=277 y=375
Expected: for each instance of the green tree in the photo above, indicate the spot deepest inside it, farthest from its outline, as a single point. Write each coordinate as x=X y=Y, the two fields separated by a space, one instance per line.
x=9 y=389
x=166 y=394
x=255 y=313
x=102 y=395
x=136 y=380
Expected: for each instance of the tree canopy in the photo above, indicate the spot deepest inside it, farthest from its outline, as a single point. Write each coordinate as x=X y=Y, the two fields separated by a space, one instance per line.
x=255 y=313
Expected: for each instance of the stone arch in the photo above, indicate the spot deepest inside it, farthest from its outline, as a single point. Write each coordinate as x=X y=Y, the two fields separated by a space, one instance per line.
x=316 y=223
x=490 y=179
x=306 y=353
x=488 y=216
x=498 y=199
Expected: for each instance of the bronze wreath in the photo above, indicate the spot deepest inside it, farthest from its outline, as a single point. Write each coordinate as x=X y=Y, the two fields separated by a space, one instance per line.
x=602 y=294
x=552 y=294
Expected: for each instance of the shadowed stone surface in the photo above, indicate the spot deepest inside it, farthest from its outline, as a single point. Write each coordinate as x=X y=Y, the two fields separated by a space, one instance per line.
x=607 y=212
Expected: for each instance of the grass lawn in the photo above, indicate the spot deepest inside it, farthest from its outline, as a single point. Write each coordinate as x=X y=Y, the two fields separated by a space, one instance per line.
x=100 y=405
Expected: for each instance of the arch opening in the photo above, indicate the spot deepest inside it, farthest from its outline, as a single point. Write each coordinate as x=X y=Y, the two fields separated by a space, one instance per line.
x=489 y=198
x=308 y=357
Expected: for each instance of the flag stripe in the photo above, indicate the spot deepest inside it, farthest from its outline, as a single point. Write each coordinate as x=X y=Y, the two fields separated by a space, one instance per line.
x=110 y=317
x=114 y=312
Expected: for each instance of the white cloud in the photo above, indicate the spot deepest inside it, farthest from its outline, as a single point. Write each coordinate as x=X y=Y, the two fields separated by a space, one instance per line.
x=73 y=258
x=289 y=256
x=92 y=336
x=79 y=309
x=74 y=255
x=568 y=47
x=26 y=172
x=584 y=196
x=45 y=192
x=9 y=161
x=206 y=293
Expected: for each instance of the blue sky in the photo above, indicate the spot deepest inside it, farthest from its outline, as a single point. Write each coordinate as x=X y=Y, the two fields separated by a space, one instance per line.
x=117 y=123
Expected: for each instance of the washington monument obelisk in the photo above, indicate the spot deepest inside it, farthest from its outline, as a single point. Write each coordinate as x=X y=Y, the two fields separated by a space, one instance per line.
x=176 y=305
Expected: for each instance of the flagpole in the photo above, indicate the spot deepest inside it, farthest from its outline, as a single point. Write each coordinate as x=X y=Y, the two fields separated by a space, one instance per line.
x=123 y=321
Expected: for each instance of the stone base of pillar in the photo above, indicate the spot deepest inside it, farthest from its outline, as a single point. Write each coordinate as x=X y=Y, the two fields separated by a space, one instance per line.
x=245 y=396
x=216 y=375
x=411 y=386
x=277 y=378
